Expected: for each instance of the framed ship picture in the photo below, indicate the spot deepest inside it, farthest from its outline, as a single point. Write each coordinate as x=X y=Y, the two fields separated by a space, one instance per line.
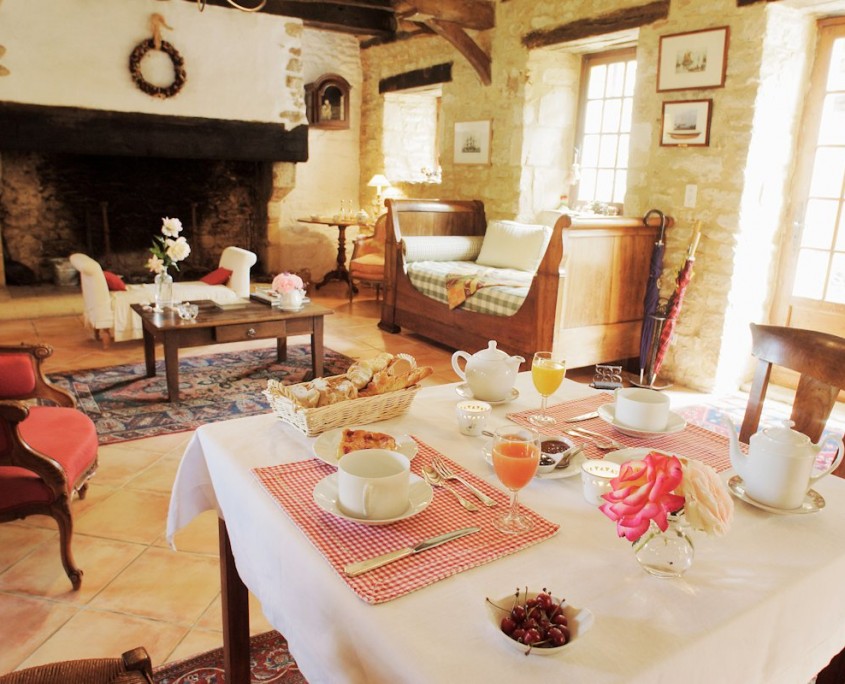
x=472 y=142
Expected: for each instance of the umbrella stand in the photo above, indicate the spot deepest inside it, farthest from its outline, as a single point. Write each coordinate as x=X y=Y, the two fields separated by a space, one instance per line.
x=648 y=375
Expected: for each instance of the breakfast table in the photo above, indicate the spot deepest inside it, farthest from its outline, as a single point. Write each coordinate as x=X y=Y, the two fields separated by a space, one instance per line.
x=762 y=604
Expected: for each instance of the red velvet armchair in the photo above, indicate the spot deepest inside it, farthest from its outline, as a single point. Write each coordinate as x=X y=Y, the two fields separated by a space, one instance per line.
x=48 y=449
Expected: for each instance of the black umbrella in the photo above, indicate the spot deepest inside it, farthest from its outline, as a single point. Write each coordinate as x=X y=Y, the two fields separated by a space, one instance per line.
x=652 y=290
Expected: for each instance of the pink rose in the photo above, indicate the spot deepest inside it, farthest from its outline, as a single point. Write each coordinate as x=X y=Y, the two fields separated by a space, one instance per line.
x=285 y=282
x=643 y=492
x=708 y=506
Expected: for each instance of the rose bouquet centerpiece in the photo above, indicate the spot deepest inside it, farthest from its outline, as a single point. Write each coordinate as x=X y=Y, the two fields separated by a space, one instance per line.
x=168 y=250
x=664 y=495
x=290 y=290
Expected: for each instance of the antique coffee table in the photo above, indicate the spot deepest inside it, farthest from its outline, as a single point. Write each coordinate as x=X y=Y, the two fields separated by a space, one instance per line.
x=217 y=325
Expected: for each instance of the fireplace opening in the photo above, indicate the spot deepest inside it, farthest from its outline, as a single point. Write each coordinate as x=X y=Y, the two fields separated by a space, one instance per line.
x=111 y=207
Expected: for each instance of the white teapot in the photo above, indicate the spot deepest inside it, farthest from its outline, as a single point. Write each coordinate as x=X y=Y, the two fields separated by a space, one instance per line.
x=778 y=469
x=490 y=373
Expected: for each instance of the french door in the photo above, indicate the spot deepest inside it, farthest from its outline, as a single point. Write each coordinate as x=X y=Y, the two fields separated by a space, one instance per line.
x=811 y=293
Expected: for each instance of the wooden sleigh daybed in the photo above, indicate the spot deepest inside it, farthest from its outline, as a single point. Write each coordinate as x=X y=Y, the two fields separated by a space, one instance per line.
x=585 y=300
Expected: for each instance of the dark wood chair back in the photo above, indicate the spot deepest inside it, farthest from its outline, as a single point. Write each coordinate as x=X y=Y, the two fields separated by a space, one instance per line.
x=819 y=359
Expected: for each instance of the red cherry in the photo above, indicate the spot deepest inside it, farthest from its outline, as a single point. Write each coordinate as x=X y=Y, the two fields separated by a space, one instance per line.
x=556 y=636
x=518 y=634
x=508 y=625
x=518 y=613
x=532 y=636
x=560 y=619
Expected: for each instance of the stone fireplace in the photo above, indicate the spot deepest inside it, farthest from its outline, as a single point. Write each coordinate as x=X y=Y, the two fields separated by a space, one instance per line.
x=77 y=180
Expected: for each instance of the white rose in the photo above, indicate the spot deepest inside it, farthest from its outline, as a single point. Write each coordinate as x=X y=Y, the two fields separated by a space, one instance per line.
x=171 y=227
x=178 y=249
x=708 y=505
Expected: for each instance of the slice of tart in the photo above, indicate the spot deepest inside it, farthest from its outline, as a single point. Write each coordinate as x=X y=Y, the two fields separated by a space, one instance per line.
x=353 y=440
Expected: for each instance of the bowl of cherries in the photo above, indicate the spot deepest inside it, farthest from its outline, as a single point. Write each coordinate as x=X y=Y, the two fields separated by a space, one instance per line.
x=538 y=622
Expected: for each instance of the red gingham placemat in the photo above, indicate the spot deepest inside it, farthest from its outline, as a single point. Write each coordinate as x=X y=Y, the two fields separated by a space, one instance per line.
x=693 y=441
x=342 y=541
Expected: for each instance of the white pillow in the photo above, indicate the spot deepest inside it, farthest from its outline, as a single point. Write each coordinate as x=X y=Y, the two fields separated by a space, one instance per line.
x=508 y=244
x=441 y=247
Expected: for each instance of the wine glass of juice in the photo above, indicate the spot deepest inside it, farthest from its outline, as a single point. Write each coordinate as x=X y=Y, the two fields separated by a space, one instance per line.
x=547 y=372
x=516 y=455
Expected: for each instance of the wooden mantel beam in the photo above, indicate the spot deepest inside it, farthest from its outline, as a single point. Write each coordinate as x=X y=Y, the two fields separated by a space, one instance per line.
x=479 y=15
x=479 y=59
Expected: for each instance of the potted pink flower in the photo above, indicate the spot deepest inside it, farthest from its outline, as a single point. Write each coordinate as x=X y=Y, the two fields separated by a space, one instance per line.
x=657 y=500
x=290 y=290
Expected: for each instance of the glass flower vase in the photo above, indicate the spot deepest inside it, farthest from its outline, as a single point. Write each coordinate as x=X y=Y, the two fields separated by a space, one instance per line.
x=666 y=553
x=163 y=289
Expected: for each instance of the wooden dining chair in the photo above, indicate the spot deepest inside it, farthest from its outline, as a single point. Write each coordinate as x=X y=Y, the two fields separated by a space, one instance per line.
x=819 y=359
x=48 y=448
x=367 y=262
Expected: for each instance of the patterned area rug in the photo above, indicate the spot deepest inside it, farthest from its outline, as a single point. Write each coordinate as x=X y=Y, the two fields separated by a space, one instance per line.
x=270 y=661
x=126 y=405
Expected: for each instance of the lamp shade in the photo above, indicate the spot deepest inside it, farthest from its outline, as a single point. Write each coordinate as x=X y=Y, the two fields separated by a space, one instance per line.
x=379 y=181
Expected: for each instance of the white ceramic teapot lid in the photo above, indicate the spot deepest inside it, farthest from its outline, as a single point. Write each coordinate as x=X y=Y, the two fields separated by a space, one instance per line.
x=491 y=353
x=784 y=434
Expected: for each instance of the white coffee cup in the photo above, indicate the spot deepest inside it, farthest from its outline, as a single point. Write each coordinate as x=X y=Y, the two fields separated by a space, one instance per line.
x=472 y=416
x=642 y=409
x=596 y=475
x=373 y=484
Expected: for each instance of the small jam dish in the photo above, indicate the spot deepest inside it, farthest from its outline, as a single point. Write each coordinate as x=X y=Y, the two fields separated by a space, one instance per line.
x=555 y=452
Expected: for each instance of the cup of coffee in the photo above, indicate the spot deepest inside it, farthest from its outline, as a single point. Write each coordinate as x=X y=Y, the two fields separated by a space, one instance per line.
x=373 y=484
x=595 y=479
x=642 y=409
x=472 y=416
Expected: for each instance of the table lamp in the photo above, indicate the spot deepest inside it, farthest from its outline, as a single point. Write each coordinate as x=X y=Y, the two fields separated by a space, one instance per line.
x=378 y=182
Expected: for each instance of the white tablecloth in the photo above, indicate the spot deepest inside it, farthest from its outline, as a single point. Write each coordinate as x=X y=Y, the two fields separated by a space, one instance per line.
x=763 y=604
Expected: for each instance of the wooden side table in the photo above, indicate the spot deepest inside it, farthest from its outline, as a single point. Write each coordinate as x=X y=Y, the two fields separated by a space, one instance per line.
x=340 y=271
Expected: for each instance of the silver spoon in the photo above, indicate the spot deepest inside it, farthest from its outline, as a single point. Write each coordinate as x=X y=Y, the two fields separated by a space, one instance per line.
x=435 y=480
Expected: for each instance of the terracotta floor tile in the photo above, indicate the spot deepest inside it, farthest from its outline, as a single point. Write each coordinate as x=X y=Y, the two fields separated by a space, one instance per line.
x=163 y=585
x=26 y=624
x=195 y=642
x=198 y=536
x=159 y=477
x=212 y=618
x=127 y=516
x=16 y=541
x=41 y=573
x=120 y=463
x=98 y=634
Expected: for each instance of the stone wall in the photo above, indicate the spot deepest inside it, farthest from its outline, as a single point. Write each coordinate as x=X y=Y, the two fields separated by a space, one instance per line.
x=741 y=177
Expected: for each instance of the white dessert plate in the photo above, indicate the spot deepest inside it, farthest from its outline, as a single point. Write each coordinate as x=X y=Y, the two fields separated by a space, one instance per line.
x=813 y=501
x=579 y=621
x=607 y=414
x=631 y=454
x=574 y=467
x=325 y=496
x=325 y=446
x=464 y=390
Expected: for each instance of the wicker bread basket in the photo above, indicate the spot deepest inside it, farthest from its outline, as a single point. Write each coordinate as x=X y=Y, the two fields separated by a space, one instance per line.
x=313 y=421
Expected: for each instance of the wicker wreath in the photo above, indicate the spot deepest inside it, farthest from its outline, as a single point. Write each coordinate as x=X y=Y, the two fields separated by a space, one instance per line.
x=178 y=69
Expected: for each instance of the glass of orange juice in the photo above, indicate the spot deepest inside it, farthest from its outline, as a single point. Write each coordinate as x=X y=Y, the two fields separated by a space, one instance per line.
x=547 y=372
x=516 y=455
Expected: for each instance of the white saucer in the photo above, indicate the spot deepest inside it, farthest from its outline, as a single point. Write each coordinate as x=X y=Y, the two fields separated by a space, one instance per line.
x=325 y=446
x=574 y=467
x=464 y=390
x=325 y=496
x=607 y=414
x=813 y=501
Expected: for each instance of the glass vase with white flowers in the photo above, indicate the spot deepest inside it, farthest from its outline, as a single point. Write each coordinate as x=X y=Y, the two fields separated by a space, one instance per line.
x=168 y=250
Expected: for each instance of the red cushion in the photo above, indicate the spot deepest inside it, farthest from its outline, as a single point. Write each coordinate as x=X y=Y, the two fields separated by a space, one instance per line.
x=115 y=282
x=65 y=435
x=17 y=375
x=218 y=276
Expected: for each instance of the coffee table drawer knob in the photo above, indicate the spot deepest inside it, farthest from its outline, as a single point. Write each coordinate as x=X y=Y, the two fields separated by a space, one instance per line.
x=250 y=332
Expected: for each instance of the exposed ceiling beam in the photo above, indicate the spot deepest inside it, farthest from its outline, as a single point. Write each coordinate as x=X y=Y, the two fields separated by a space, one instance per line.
x=369 y=17
x=479 y=59
x=479 y=15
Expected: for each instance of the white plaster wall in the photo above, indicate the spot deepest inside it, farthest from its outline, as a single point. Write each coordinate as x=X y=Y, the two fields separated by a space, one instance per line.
x=332 y=171
x=76 y=53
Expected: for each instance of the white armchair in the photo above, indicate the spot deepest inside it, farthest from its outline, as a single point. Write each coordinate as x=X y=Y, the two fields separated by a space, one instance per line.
x=109 y=315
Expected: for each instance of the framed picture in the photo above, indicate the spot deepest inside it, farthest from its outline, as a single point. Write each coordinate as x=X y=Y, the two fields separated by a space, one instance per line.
x=686 y=123
x=472 y=142
x=693 y=60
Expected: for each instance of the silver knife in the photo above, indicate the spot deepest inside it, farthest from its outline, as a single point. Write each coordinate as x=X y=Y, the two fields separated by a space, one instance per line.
x=355 y=569
x=583 y=416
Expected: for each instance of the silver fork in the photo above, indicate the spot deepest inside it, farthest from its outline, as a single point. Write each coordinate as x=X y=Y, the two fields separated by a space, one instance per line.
x=435 y=480
x=601 y=441
x=446 y=473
